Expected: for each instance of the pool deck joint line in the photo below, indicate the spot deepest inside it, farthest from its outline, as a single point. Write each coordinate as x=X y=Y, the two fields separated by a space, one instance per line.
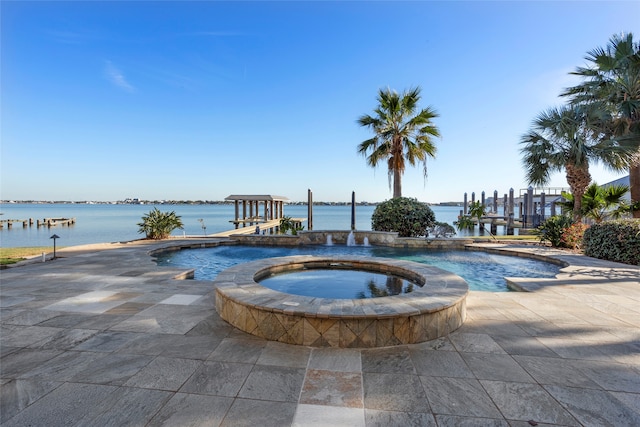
x=102 y=335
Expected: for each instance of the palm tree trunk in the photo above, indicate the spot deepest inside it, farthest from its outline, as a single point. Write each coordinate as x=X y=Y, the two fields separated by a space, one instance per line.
x=578 y=179
x=397 y=183
x=634 y=184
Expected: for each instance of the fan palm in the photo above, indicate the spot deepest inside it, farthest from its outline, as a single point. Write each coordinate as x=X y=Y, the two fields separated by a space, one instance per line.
x=612 y=81
x=402 y=134
x=600 y=203
x=567 y=138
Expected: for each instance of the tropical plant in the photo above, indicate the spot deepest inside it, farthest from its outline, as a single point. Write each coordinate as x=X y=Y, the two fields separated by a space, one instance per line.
x=477 y=210
x=612 y=82
x=465 y=222
x=553 y=229
x=600 y=203
x=158 y=225
x=402 y=134
x=406 y=216
x=569 y=138
x=289 y=225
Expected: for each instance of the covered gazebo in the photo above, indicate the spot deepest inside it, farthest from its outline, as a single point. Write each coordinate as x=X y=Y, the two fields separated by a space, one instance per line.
x=252 y=212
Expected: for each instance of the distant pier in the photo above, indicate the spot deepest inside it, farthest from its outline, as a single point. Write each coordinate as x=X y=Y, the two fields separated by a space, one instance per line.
x=46 y=222
x=526 y=212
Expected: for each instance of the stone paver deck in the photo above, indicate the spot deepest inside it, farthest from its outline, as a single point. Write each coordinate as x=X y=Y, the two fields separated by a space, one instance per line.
x=102 y=336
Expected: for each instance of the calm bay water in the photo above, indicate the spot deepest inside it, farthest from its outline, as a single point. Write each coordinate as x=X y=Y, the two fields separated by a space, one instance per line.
x=102 y=223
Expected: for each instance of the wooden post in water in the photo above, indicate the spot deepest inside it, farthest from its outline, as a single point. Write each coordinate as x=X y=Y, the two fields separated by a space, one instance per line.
x=465 y=205
x=309 y=209
x=473 y=199
x=511 y=213
x=480 y=224
x=353 y=211
x=530 y=208
x=505 y=206
x=494 y=226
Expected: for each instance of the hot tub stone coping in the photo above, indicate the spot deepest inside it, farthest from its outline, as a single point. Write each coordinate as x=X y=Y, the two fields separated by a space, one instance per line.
x=442 y=289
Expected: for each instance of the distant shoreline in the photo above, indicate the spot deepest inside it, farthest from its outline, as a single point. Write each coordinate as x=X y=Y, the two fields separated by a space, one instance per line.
x=188 y=202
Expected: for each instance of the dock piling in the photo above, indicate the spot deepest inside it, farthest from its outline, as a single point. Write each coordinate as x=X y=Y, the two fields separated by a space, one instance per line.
x=309 y=209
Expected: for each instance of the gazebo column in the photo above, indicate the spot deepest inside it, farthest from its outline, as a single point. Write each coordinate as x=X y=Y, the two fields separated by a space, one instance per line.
x=237 y=208
x=244 y=211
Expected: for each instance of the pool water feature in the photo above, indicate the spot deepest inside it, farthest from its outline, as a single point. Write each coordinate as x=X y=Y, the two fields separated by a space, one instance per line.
x=338 y=283
x=481 y=270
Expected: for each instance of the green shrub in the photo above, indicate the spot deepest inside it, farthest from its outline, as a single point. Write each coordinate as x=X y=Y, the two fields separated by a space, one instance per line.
x=553 y=229
x=441 y=229
x=617 y=240
x=406 y=216
x=159 y=225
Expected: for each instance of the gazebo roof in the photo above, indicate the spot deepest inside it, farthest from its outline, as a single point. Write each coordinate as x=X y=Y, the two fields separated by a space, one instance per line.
x=257 y=198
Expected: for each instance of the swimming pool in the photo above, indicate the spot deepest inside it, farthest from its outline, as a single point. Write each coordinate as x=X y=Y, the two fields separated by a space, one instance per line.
x=481 y=270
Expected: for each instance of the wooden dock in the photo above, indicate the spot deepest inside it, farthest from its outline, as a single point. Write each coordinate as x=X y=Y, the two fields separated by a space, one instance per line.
x=265 y=226
x=46 y=222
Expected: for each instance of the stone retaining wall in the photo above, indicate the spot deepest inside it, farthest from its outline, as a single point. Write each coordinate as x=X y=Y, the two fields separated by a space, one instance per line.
x=339 y=237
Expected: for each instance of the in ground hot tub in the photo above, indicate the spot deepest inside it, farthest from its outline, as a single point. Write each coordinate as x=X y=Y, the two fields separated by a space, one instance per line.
x=435 y=307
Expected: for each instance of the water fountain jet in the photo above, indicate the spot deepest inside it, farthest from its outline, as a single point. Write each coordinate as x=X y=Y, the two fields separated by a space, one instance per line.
x=351 y=239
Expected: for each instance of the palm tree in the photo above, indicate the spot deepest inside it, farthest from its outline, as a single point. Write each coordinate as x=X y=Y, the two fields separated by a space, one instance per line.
x=600 y=203
x=612 y=81
x=401 y=135
x=568 y=138
x=158 y=225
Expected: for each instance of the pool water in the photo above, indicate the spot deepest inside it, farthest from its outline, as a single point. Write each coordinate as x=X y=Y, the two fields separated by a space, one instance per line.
x=481 y=270
x=338 y=283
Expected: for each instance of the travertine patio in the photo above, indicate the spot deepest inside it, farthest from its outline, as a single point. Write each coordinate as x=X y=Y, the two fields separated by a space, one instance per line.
x=102 y=336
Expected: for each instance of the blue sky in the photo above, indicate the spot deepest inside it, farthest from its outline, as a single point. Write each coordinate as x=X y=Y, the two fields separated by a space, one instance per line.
x=199 y=100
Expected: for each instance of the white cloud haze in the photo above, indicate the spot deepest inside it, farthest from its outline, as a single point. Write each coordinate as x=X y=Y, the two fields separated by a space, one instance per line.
x=115 y=76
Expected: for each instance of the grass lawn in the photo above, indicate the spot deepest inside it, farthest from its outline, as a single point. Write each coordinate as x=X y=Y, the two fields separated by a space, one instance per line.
x=13 y=255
